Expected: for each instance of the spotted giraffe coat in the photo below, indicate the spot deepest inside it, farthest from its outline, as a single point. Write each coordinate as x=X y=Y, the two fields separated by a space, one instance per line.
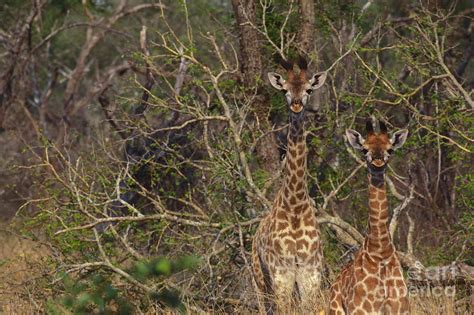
x=287 y=253
x=373 y=283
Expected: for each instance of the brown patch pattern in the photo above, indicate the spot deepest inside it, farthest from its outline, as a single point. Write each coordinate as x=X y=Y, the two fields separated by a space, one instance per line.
x=373 y=282
x=287 y=254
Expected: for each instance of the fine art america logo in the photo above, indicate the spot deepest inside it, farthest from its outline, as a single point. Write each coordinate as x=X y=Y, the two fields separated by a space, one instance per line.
x=432 y=281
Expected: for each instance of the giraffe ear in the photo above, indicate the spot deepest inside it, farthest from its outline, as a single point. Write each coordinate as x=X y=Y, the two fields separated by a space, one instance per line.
x=398 y=138
x=317 y=80
x=355 y=139
x=276 y=80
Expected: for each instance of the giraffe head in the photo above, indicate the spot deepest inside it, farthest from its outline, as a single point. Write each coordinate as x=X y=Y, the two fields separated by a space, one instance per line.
x=376 y=147
x=297 y=87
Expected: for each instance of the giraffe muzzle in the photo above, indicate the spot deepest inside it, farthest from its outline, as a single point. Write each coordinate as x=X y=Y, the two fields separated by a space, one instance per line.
x=378 y=163
x=296 y=107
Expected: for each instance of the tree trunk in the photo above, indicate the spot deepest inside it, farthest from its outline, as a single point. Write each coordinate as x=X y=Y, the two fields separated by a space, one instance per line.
x=307 y=44
x=306 y=36
x=252 y=70
x=250 y=57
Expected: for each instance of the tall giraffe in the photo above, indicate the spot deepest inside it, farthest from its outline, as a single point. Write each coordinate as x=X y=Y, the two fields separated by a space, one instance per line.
x=373 y=283
x=287 y=253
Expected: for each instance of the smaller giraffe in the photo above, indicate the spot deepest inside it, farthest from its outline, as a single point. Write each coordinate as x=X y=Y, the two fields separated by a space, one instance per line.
x=373 y=283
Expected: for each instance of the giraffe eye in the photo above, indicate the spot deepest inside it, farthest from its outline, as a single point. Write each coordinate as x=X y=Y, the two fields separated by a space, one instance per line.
x=309 y=91
x=390 y=151
x=365 y=151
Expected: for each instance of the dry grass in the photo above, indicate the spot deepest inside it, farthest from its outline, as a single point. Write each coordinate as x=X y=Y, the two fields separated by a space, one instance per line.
x=428 y=302
x=22 y=303
x=441 y=305
x=22 y=266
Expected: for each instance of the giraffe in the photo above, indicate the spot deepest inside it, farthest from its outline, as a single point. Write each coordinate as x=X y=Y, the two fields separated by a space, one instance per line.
x=286 y=249
x=373 y=282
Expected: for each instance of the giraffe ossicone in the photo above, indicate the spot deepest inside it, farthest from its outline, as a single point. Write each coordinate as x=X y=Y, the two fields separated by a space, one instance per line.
x=373 y=282
x=286 y=250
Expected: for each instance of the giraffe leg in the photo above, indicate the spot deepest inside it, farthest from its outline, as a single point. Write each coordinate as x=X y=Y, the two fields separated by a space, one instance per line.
x=264 y=286
x=283 y=285
x=257 y=271
x=336 y=305
x=397 y=301
x=404 y=301
x=396 y=292
x=308 y=281
x=397 y=306
x=405 y=305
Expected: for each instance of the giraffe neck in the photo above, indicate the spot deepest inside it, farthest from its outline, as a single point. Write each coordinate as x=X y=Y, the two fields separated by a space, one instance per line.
x=295 y=177
x=378 y=242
